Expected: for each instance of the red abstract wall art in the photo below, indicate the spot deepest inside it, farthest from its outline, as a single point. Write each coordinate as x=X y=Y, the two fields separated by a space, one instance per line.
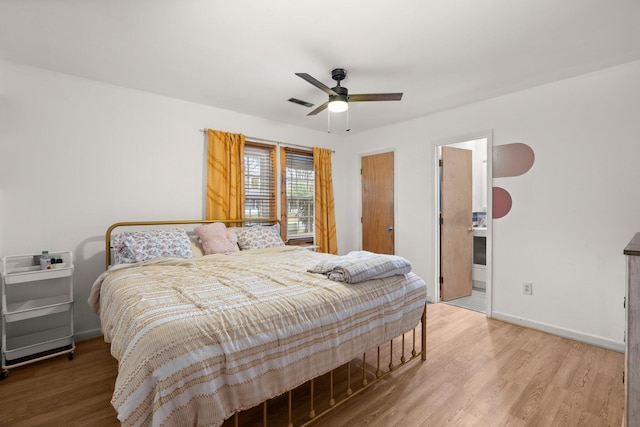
x=509 y=160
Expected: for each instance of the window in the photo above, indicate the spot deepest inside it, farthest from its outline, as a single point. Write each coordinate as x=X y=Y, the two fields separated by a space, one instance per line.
x=259 y=181
x=300 y=191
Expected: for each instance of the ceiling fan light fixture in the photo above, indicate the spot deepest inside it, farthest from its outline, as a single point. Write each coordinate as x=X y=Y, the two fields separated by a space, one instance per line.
x=339 y=96
x=338 y=104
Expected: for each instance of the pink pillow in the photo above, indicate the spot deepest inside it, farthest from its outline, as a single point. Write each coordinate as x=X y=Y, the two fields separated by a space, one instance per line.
x=216 y=239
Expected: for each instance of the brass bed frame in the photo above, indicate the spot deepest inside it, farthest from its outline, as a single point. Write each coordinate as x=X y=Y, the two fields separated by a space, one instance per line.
x=369 y=374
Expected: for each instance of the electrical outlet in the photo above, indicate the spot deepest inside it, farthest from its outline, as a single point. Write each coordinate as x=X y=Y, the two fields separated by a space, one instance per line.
x=527 y=288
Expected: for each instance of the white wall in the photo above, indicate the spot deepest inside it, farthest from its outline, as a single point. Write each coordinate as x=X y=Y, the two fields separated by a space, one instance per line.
x=572 y=214
x=78 y=155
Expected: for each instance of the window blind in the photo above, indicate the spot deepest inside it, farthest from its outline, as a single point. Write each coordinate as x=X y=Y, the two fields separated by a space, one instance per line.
x=259 y=182
x=300 y=191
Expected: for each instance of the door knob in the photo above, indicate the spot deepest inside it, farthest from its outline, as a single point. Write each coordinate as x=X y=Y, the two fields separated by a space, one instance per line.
x=389 y=228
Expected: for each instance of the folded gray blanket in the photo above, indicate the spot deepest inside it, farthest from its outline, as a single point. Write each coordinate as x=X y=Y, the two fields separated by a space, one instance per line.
x=358 y=266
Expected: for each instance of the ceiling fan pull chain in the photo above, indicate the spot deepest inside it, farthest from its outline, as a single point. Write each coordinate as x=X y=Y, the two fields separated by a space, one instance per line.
x=328 y=121
x=348 y=128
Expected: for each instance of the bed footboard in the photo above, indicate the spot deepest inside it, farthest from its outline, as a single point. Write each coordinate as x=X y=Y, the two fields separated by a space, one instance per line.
x=305 y=405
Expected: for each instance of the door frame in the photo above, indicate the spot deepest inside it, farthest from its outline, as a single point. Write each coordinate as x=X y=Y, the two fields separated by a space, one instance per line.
x=395 y=192
x=488 y=135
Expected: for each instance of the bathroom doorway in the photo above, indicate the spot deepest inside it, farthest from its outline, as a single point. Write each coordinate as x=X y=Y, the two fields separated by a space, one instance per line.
x=463 y=252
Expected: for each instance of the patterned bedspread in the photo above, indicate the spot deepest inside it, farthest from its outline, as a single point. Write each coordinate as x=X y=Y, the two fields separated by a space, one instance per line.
x=199 y=339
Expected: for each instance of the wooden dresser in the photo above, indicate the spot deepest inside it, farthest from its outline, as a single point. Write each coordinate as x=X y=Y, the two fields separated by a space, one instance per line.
x=632 y=351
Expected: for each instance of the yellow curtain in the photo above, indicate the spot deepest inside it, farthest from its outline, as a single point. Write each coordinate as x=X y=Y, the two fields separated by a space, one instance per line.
x=325 y=218
x=283 y=193
x=225 y=176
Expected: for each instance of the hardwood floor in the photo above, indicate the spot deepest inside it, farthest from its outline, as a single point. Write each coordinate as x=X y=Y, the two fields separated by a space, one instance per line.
x=479 y=372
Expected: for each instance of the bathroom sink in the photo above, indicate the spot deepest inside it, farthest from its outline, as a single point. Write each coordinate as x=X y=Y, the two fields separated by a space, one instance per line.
x=480 y=231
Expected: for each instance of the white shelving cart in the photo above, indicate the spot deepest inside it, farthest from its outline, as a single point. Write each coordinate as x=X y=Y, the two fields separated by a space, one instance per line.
x=37 y=310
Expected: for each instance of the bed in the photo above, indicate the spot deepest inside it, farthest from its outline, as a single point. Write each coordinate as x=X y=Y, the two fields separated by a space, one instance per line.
x=199 y=339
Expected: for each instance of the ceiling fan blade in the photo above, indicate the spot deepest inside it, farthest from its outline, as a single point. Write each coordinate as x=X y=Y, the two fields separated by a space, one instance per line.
x=361 y=97
x=300 y=102
x=326 y=89
x=317 y=110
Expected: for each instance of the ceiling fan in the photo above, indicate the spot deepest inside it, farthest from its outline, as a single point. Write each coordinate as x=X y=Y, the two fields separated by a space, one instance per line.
x=339 y=96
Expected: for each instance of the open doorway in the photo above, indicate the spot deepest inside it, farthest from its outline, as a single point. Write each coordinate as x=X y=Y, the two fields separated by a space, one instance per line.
x=463 y=228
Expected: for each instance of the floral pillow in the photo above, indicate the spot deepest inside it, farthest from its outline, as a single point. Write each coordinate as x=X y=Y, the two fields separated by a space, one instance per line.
x=140 y=246
x=258 y=238
x=217 y=239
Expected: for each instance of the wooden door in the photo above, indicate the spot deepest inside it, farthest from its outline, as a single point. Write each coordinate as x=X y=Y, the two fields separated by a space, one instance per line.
x=456 y=234
x=378 y=204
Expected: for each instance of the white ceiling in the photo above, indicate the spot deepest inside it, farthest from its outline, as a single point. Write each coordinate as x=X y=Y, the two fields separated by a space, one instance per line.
x=242 y=55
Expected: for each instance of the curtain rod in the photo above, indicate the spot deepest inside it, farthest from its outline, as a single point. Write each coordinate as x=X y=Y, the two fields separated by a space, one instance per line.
x=270 y=141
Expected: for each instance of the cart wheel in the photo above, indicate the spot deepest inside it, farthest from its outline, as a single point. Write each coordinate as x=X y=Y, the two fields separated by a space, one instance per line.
x=4 y=375
x=70 y=356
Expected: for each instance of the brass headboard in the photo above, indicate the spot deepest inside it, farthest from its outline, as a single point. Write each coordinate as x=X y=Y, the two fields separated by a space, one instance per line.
x=176 y=222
